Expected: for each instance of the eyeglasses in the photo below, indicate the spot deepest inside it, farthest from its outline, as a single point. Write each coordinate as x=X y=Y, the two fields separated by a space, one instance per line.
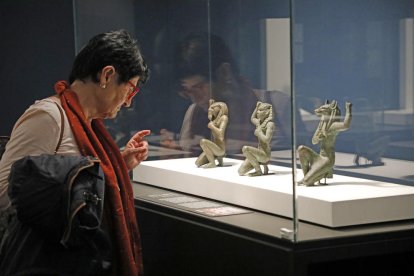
x=134 y=91
x=185 y=91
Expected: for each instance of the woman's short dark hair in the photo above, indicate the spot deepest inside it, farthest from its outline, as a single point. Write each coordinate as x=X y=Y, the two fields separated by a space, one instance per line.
x=200 y=53
x=116 y=48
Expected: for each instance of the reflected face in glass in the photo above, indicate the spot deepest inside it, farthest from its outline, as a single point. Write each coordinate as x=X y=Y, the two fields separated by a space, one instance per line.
x=197 y=89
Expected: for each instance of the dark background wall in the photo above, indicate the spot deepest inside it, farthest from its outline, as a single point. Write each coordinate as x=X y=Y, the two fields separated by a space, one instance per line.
x=36 y=49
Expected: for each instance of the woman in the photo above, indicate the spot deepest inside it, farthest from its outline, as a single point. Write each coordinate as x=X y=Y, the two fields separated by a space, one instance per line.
x=206 y=69
x=106 y=75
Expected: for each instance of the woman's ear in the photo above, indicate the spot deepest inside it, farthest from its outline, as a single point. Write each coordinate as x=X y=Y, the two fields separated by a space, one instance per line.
x=107 y=75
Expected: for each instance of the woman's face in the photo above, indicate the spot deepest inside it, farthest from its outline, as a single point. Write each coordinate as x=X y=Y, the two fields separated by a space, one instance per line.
x=197 y=89
x=115 y=96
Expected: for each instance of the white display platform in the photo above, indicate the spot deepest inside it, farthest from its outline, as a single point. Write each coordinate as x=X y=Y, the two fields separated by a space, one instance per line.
x=345 y=201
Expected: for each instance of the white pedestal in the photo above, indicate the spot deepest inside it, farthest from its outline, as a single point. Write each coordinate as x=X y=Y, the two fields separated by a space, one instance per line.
x=344 y=201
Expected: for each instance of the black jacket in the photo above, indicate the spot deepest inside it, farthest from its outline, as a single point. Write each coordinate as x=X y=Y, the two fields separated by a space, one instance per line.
x=59 y=204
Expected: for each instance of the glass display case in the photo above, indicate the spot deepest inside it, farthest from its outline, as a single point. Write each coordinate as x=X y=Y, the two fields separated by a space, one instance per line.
x=352 y=61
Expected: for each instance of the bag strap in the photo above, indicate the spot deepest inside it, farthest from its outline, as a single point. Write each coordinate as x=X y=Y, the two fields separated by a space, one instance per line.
x=62 y=127
x=3 y=142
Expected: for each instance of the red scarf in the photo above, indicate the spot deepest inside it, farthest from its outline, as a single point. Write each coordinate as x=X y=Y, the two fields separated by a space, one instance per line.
x=94 y=140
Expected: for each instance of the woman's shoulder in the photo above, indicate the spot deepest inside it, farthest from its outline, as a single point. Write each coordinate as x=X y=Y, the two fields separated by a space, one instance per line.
x=48 y=105
x=44 y=109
